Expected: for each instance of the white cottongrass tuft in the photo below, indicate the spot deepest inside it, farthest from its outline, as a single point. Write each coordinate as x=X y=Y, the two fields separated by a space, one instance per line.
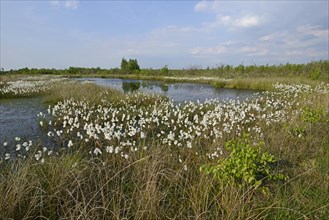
x=97 y=151
x=70 y=144
x=18 y=147
x=7 y=156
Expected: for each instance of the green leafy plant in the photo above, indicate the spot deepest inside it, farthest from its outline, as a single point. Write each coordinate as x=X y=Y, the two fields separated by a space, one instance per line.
x=310 y=115
x=245 y=165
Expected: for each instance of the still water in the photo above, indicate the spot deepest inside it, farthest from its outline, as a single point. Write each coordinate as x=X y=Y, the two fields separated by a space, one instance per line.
x=18 y=118
x=178 y=92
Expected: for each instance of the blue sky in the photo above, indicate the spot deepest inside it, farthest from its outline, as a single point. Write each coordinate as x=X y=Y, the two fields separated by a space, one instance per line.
x=180 y=34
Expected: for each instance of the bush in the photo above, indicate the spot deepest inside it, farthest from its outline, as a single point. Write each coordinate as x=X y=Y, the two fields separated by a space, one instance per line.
x=245 y=165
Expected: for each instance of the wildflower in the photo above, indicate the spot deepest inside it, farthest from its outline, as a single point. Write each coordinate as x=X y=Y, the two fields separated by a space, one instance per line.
x=38 y=155
x=42 y=160
x=126 y=156
x=50 y=134
x=7 y=156
x=70 y=144
x=17 y=139
x=97 y=151
x=41 y=123
x=5 y=143
x=109 y=149
x=18 y=147
x=185 y=167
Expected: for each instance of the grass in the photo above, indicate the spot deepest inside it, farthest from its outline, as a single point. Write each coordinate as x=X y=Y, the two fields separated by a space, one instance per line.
x=79 y=91
x=262 y=83
x=154 y=184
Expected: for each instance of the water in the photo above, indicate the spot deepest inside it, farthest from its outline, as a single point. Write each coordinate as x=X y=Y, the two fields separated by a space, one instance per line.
x=178 y=92
x=18 y=118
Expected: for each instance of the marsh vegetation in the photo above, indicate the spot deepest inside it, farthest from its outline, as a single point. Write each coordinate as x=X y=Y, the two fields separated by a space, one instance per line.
x=142 y=156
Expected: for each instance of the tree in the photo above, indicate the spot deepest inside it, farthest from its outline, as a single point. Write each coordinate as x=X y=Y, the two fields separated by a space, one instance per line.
x=129 y=66
x=124 y=65
x=133 y=65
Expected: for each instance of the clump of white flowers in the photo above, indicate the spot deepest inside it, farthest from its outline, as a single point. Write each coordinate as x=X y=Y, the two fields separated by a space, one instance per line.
x=126 y=127
x=29 y=85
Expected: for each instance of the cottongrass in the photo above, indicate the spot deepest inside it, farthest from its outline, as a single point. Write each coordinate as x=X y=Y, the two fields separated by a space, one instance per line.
x=139 y=157
x=28 y=86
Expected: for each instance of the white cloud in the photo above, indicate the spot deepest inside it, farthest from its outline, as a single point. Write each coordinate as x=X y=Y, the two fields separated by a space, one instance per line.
x=248 y=21
x=55 y=3
x=201 y=6
x=219 y=49
x=70 y=4
x=308 y=52
x=254 y=51
x=242 y=22
x=314 y=30
x=235 y=23
x=300 y=37
x=267 y=38
x=172 y=29
x=208 y=5
x=294 y=53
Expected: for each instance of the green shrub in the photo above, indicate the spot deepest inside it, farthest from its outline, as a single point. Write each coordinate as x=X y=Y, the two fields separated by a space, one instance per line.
x=310 y=115
x=245 y=165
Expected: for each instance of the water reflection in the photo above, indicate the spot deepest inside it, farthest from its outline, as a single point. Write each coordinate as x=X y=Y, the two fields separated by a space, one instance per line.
x=132 y=86
x=128 y=87
x=179 y=92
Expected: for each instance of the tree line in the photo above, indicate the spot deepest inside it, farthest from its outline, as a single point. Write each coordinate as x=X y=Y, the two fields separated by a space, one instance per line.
x=314 y=70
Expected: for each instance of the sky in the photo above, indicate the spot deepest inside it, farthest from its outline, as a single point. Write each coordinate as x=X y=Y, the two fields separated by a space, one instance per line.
x=180 y=34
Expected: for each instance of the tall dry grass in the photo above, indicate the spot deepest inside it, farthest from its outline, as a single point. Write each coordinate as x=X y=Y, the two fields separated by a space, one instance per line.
x=153 y=185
